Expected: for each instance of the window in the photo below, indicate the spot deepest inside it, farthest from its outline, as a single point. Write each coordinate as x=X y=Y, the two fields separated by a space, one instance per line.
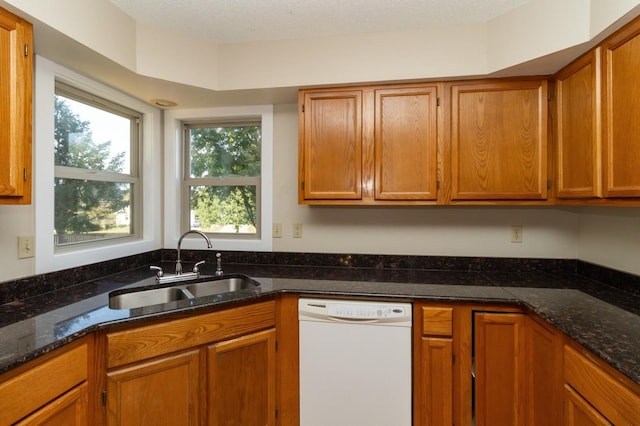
x=180 y=213
x=142 y=174
x=221 y=191
x=96 y=173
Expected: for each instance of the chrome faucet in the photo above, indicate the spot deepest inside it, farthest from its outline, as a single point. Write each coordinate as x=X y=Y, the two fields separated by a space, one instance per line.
x=191 y=231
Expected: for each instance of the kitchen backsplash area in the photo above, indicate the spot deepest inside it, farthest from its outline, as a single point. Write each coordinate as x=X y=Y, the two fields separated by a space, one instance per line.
x=354 y=267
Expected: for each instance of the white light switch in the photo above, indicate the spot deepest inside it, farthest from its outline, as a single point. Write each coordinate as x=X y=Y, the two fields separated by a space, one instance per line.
x=25 y=246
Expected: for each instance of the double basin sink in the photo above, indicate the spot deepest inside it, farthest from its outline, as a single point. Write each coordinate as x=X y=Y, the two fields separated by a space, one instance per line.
x=201 y=287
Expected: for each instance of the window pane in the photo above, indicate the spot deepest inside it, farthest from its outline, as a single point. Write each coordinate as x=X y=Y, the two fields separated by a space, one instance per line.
x=227 y=209
x=224 y=151
x=90 y=210
x=87 y=137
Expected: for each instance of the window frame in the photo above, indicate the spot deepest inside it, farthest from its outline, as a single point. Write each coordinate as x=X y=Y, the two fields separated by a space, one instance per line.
x=133 y=177
x=176 y=211
x=150 y=233
x=188 y=181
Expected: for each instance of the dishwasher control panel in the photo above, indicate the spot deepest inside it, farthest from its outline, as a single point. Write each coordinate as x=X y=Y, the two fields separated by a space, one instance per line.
x=329 y=310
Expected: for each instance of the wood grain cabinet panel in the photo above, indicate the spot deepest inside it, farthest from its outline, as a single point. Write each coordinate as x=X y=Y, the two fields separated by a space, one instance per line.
x=242 y=380
x=160 y=391
x=47 y=380
x=69 y=409
x=499 y=140
x=368 y=145
x=579 y=128
x=499 y=352
x=621 y=98
x=406 y=143
x=16 y=85
x=602 y=390
x=578 y=412
x=331 y=145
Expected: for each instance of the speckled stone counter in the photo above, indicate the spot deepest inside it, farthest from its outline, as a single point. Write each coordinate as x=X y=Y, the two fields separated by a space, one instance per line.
x=602 y=317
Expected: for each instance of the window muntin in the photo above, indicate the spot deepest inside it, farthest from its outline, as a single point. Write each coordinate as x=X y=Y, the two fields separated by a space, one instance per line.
x=96 y=181
x=222 y=178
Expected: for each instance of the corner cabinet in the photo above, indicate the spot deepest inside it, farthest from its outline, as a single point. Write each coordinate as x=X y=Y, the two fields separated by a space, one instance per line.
x=217 y=368
x=368 y=145
x=52 y=390
x=595 y=394
x=16 y=85
x=498 y=140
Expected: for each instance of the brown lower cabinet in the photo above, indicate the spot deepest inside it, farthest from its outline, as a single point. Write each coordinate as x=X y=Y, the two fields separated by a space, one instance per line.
x=215 y=369
x=51 y=390
x=498 y=365
x=473 y=364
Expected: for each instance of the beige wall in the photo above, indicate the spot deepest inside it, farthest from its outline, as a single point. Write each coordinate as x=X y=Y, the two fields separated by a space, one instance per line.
x=605 y=236
x=609 y=236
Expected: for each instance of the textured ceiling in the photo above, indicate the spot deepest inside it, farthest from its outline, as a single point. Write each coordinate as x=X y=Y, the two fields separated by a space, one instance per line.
x=239 y=21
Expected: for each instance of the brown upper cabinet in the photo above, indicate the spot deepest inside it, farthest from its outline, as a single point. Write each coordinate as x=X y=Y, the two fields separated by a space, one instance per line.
x=368 y=145
x=621 y=116
x=16 y=74
x=598 y=131
x=498 y=137
x=578 y=131
x=388 y=145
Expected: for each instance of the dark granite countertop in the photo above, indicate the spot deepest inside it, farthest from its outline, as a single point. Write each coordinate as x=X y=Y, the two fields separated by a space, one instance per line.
x=604 y=319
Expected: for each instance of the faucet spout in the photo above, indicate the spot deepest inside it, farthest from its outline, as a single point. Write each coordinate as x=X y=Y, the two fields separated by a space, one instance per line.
x=191 y=231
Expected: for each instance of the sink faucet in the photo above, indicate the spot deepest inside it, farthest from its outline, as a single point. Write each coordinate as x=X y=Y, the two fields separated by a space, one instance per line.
x=191 y=231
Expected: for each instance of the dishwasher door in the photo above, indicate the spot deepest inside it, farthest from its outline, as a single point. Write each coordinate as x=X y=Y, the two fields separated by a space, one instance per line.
x=355 y=363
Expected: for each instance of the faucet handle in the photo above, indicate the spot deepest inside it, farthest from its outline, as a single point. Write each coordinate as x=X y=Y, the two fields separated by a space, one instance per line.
x=160 y=272
x=195 y=267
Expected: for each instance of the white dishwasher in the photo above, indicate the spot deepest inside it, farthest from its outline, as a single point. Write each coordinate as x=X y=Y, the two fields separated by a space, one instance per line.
x=355 y=363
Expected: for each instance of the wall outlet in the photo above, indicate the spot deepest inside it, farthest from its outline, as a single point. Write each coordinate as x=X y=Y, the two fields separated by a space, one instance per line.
x=297 y=230
x=277 y=230
x=516 y=233
x=26 y=246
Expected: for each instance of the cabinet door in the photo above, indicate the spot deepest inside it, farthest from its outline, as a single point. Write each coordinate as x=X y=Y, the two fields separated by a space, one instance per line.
x=499 y=351
x=579 y=128
x=437 y=381
x=544 y=374
x=16 y=73
x=331 y=146
x=69 y=409
x=165 y=390
x=241 y=378
x=405 y=144
x=578 y=412
x=499 y=141
x=621 y=91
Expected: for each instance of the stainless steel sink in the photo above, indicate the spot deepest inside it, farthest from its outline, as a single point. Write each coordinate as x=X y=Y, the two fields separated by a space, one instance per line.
x=223 y=285
x=204 y=286
x=140 y=298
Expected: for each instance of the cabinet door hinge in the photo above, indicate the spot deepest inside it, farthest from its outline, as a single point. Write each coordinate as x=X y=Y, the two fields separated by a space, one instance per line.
x=548 y=183
x=438 y=101
x=276 y=413
x=437 y=184
x=302 y=107
x=453 y=358
x=26 y=49
x=104 y=397
x=302 y=185
x=549 y=96
x=25 y=175
x=276 y=346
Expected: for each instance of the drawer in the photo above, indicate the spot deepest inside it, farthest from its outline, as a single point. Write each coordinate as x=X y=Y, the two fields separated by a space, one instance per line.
x=26 y=392
x=619 y=404
x=437 y=321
